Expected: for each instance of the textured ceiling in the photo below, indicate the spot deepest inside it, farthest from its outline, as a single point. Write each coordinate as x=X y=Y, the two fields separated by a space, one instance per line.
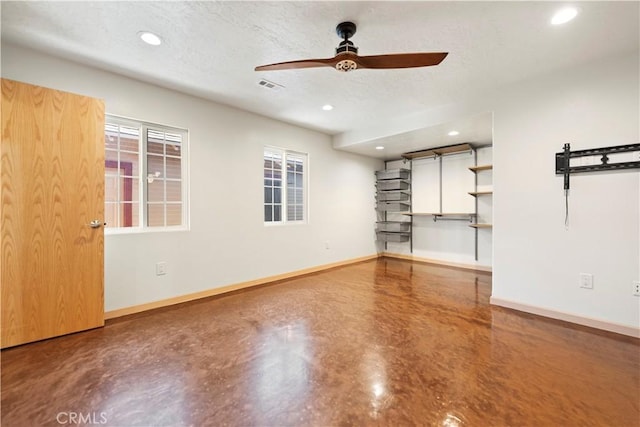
x=477 y=128
x=211 y=48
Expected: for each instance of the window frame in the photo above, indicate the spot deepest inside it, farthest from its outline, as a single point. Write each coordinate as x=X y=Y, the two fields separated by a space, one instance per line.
x=143 y=127
x=284 y=153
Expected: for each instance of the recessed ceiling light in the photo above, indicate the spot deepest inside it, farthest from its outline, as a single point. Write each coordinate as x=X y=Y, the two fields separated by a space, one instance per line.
x=379 y=147
x=454 y=133
x=564 y=15
x=327 y=107
x=150 y=38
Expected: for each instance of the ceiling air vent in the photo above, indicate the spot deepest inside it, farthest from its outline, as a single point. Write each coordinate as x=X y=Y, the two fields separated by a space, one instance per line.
x=269 y=85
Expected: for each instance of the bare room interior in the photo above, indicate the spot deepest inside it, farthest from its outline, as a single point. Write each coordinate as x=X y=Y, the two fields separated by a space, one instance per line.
x=265 y=213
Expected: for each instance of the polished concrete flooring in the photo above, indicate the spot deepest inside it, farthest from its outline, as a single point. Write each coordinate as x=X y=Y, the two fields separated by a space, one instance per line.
x=384 y=342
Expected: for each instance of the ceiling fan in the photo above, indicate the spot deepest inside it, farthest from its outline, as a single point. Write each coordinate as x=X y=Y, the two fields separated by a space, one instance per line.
x=347 y=58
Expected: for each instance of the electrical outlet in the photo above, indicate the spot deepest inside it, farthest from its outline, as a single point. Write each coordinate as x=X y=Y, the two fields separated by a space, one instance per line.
x=586 y=280
x=161 y=268
x=326 y=245
x=636 y=288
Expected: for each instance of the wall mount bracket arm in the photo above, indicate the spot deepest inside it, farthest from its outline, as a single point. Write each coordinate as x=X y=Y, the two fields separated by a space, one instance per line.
x=563 y=167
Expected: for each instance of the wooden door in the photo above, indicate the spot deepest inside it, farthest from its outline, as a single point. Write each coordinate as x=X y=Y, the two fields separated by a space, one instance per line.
x=52 y=171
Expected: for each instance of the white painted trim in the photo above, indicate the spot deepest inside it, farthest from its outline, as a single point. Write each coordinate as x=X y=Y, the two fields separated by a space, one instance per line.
x=475 y=267
x=568 y=317
x=285 y=153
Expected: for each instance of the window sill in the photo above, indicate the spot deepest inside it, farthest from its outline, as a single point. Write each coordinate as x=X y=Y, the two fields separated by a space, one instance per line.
x=285 y=224
x=140 y=230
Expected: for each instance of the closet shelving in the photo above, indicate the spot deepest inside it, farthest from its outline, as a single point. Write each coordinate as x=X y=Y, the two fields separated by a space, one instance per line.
x=462 y=216
x=480 y=168
x=476 y=170
x=476 y=225
x=438 y=151
x=393 y=196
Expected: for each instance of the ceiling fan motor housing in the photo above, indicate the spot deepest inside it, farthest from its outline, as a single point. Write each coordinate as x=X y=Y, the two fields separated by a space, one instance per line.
x=347 y=49
x=346 y=46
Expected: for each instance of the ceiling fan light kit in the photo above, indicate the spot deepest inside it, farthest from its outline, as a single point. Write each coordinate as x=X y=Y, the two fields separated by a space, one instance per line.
x=346 y=65
x=347 y=58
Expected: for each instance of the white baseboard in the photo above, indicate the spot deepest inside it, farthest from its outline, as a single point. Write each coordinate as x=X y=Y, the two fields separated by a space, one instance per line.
x=475 y=267
x=112 y=314
x=568 y=317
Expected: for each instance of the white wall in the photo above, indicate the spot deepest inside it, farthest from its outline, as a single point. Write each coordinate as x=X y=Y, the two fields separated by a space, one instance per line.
x=536 y=261
x=227 y=242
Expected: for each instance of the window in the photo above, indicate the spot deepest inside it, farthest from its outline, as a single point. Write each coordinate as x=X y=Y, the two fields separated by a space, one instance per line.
x=285 y=177
x=134 y=150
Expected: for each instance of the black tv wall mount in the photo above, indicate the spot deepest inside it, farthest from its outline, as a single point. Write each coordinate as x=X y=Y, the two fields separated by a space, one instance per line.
x=563 y=160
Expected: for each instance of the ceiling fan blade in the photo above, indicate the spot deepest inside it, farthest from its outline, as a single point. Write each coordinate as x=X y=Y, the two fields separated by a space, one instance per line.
x=401 y=60
x=305 y=63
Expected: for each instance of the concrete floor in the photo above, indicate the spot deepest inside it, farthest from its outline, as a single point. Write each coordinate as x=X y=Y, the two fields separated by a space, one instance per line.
x=383 y=342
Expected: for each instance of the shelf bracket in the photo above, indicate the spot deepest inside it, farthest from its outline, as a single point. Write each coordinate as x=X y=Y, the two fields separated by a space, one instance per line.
x=443 y=217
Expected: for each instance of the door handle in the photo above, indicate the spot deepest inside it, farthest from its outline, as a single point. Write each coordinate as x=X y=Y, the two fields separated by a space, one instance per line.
x=96 y=223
